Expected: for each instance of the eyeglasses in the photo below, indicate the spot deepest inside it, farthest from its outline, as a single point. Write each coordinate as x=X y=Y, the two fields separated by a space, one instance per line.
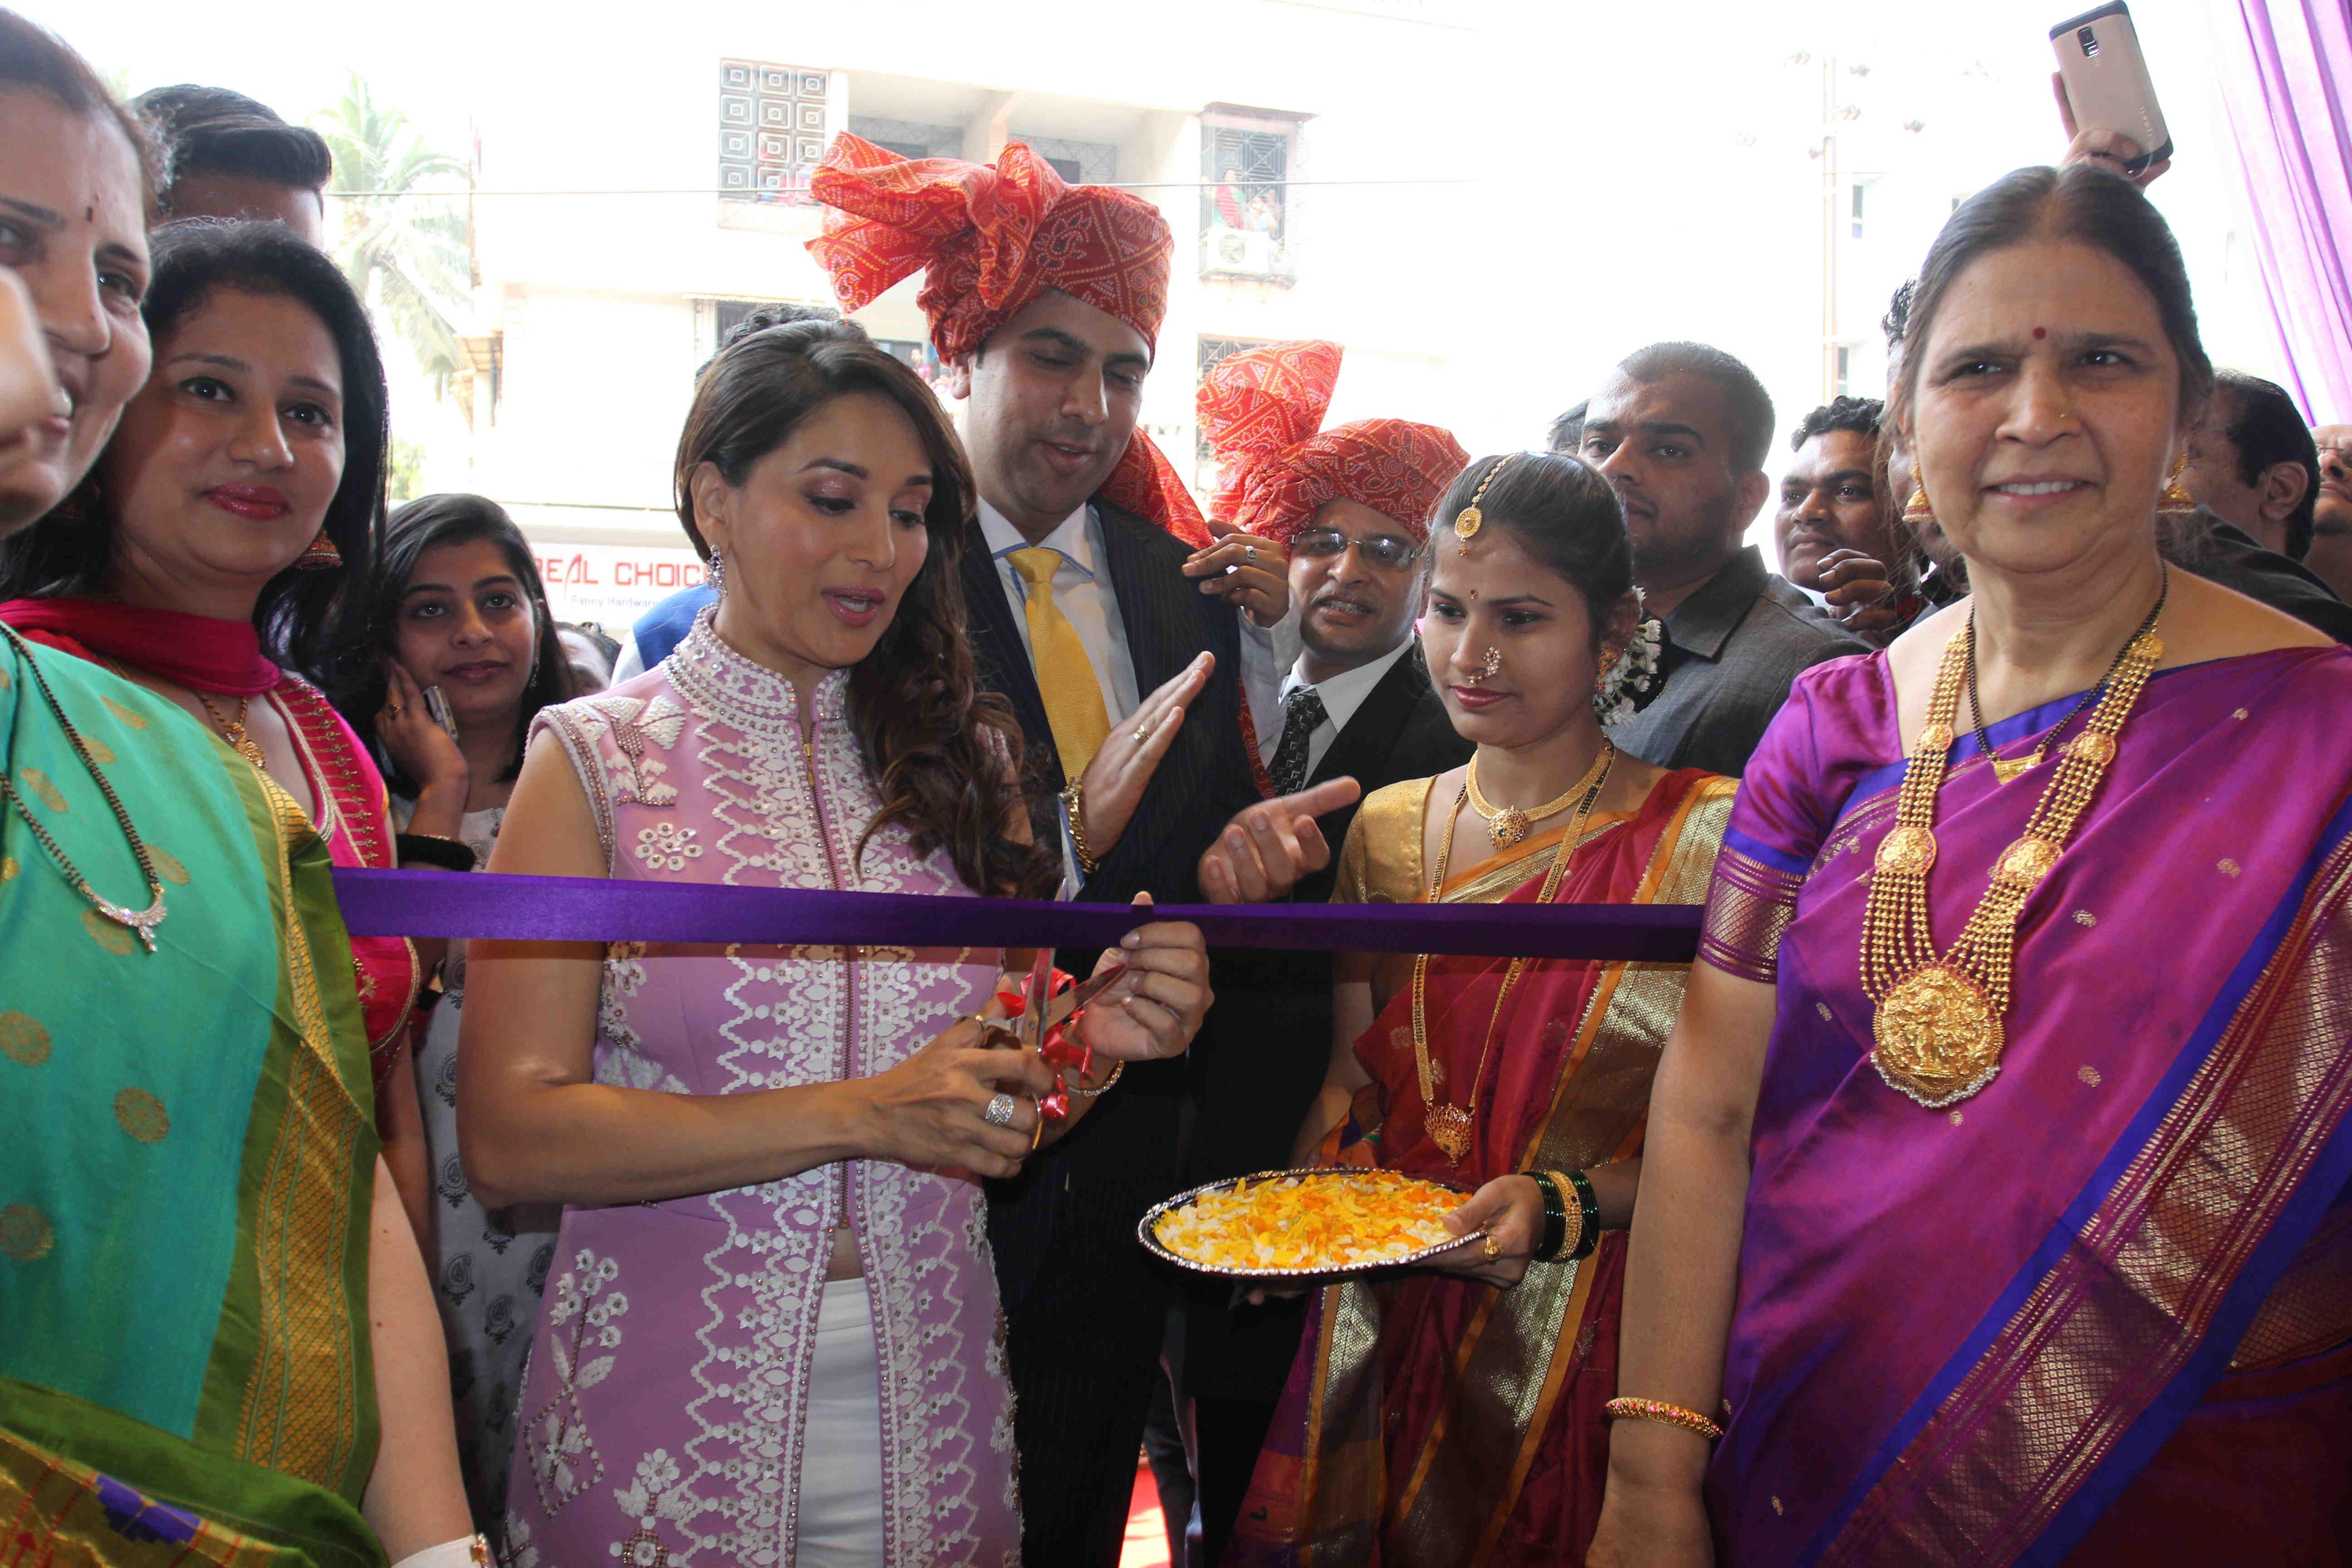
x=1385 y=550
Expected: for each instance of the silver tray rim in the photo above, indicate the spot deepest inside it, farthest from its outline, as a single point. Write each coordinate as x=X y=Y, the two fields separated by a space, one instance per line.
x=1153 y=1245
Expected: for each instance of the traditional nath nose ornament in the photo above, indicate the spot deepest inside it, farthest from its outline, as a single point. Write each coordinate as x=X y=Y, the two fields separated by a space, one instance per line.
x=1488 y=667
x=1467 y=521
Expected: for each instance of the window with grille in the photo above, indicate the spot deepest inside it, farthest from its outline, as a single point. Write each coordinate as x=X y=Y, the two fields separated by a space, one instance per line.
x=1079 y=163
x=1212 y=352
x=771 y=131
x=1244 y=201
x=909 y=138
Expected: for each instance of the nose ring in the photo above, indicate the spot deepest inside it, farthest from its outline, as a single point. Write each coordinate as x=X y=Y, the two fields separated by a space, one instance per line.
x=1488 y=667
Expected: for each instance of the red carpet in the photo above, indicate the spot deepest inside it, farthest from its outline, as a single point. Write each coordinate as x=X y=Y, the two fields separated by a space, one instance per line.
x=1147 y=1534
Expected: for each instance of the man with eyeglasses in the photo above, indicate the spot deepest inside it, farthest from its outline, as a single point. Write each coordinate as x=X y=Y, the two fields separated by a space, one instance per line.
x=2331 y=521
x=1351 y=506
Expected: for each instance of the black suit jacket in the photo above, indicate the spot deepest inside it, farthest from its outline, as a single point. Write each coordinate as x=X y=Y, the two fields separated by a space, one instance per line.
x=1091 y=1188
x=1273 y=1043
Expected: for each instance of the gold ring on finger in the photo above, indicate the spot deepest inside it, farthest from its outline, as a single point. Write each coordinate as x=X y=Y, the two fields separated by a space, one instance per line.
x=1143 y=732
x=1491 y=1247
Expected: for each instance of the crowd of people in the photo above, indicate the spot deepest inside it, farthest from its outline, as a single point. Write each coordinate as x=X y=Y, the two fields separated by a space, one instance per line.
x=1982 y=1193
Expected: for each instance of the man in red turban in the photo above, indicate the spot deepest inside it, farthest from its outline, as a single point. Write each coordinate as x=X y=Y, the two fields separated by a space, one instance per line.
x=1045 y=301
x=1351 y=506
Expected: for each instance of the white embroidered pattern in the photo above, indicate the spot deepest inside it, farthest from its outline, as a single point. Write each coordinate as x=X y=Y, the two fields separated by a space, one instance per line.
x=563 y=1458
x=633 y=723
x=778 y=812
x=666 y=847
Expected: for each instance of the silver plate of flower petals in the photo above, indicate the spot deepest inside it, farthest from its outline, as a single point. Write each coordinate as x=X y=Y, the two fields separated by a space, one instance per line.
x=1147 y=1232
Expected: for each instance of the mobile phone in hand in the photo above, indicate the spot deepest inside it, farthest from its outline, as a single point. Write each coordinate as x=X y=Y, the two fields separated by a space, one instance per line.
x=438 y=706
x=2107 y=81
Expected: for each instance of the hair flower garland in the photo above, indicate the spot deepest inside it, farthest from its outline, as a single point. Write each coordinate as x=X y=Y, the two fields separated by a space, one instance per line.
x=1634 y=678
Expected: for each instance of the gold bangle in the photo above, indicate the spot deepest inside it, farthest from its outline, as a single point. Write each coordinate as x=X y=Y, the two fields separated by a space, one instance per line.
x=1665 y=1415
x=1086 y=862
x=1104 y=1087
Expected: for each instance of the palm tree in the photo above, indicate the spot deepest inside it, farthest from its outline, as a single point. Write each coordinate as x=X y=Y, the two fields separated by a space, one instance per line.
x=405 y=253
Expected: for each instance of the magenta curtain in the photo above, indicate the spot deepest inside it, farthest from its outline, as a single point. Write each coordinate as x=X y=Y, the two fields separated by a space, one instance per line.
x=2286 y=76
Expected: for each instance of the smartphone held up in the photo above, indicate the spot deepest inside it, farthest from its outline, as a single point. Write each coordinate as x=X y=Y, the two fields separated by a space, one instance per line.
x=2104 y=76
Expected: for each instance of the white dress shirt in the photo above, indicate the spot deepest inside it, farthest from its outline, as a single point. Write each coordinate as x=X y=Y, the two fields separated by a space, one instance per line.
x=1082 y=589
x=1341 y=695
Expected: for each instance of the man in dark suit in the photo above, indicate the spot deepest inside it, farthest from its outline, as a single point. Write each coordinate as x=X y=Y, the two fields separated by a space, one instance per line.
x=1124 y=675
x=1351 y=504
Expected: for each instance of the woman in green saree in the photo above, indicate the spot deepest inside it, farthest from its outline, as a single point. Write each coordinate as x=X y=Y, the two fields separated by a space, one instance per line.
x=193 y=1237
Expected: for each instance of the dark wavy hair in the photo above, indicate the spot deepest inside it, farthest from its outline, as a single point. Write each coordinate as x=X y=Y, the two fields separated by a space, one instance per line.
x=935 y=744
x=304 y=617
x=2084 y=202
x=422 y=524
x=1561 y=510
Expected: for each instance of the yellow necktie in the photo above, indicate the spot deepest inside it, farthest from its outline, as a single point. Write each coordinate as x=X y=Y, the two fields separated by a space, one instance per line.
x=1065 y=677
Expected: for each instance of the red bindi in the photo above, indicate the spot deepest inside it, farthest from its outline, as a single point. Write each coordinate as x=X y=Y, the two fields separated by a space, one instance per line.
x=2040 y=333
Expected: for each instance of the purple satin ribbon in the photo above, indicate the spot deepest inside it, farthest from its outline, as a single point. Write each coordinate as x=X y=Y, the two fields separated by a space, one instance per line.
x=593 y=908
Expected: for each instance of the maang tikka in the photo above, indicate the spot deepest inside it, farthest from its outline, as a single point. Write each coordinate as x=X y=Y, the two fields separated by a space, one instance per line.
x=1469 y=520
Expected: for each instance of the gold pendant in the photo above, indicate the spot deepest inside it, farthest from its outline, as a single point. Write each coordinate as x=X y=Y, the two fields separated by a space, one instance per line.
x=251 y=752
x=1938 y=1038
x=1449 y=1129
x=1507 y=827
x=2006 y=768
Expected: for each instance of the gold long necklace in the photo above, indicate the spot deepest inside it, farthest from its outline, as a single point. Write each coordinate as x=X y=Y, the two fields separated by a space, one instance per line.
x=1449 y=1124
x=142 y=922
x=1507 y=825
x=1937 y=1032
x=233 y=728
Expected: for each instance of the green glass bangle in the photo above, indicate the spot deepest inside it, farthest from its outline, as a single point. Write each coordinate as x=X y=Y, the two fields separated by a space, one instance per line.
x=1555 y=1225
x=1589 y=1237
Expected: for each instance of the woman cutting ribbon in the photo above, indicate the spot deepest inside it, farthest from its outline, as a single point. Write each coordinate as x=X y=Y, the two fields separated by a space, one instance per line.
x=1436 y=1419
x=772 y=1332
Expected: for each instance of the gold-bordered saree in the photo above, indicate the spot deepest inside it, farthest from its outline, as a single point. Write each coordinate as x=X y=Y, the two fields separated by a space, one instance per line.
x=187 y=1158
x=1431 y=1420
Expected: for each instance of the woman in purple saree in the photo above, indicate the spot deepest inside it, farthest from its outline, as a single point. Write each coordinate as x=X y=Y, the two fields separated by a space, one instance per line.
x=2074 y=1284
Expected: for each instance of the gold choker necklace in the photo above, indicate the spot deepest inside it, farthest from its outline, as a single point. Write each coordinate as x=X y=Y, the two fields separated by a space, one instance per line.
x=1937 y=1033
x=1507 y=825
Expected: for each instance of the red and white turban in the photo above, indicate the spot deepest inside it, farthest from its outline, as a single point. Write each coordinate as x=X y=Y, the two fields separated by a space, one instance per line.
x=989 y=240
x=1262 y=411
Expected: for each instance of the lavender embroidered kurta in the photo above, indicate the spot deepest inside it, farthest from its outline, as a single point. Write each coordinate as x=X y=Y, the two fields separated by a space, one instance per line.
x=662 y=1414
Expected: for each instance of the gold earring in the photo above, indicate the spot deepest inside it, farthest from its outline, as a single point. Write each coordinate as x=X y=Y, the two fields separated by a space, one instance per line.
x=320 y=555
x=1916 y=512
x=2176 y=502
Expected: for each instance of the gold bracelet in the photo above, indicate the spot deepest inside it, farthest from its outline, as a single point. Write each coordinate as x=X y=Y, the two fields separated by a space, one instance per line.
x=1667 y=1414
x=1086 y=862
x=1076 y=1093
